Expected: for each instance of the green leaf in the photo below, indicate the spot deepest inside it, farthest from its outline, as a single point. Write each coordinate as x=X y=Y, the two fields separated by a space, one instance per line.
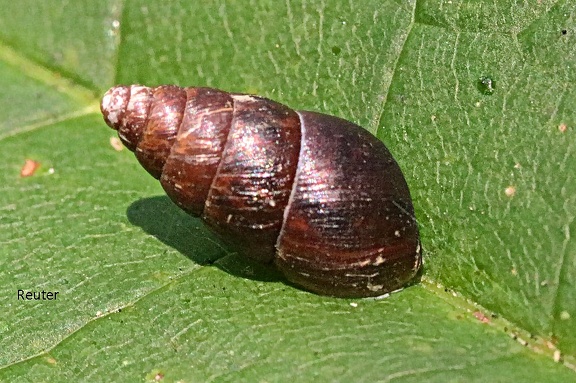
x=146 y=292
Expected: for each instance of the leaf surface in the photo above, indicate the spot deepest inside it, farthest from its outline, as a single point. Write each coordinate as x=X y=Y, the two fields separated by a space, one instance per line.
x=147 y=292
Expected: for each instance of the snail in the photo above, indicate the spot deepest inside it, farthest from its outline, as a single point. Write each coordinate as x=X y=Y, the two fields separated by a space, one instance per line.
x=315 y=195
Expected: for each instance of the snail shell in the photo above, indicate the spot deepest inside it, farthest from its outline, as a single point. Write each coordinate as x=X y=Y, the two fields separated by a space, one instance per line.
x=316 y=195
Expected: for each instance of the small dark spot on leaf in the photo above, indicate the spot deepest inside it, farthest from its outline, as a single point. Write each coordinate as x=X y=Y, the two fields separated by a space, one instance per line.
x=564 y=31
x=486 y=85
x=336 y=50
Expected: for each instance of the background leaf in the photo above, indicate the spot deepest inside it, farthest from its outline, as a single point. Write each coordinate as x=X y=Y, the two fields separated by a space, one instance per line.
x=145 y=291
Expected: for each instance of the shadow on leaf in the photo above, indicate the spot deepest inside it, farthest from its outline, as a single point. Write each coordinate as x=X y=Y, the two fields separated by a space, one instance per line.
x=160 y=217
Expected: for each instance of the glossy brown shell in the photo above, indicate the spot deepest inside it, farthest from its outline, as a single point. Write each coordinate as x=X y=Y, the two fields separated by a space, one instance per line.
x=317 y=195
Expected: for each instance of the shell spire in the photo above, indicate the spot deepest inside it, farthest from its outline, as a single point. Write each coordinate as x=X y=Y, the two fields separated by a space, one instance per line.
x=147 y=120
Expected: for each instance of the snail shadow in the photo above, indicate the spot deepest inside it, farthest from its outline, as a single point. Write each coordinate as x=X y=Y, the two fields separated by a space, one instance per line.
x=161 y=218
